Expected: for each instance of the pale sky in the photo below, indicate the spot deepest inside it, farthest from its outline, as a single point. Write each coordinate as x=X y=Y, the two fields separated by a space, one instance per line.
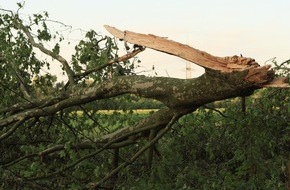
x=255 y=28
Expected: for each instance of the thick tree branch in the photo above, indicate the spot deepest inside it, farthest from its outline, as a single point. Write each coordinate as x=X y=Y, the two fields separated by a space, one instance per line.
x=224 y=77
x=201 y=58
x=11 y=130
x=143 y=126
x=182 y=94
x=32 y=104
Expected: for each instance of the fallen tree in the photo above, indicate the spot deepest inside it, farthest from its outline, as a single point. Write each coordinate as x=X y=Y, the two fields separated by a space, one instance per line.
x=224 y=77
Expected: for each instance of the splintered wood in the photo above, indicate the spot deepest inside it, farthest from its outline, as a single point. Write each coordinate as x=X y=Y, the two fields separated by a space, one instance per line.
x=262 y=76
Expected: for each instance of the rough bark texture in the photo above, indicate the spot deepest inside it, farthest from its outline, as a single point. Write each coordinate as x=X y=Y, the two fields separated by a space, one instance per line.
x=201 y=58
x=224 y=77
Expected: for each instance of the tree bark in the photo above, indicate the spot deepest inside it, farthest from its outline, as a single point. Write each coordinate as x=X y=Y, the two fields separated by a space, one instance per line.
x=223 y=79
x=201 y=58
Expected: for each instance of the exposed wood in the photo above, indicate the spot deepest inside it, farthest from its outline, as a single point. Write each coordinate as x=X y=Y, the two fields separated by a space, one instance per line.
x=201 y=58
x=280 y=82
x=260 y=76
x=40 y=124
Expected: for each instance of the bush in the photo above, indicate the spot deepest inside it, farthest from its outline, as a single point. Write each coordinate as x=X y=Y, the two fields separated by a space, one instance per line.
x=206 y=150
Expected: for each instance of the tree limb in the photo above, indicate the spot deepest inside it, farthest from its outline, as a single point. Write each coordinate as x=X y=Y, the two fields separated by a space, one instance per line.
x=104 y=147
x=11 y=130
x=23 y=85
x=138 y=153
x=117 y=60
x=58 y=57
x=183 y=95
x=201 y=58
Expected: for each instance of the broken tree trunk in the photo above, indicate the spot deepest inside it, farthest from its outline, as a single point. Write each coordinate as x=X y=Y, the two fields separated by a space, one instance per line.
x=224 y=77
x=260 y=76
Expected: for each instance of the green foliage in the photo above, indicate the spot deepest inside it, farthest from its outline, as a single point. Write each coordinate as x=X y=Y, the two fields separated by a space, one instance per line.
x=70 y=131
x=283 y=68
x=95 y=51
x=208 y=151
x=56 y=49
x=205 y=150
x=17 y=57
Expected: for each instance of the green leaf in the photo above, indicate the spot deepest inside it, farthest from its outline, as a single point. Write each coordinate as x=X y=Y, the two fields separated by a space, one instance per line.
x=67 y=146
x=56 y=49
x=20 y=5
x=26 y=173
x=34 y=166
x=62 y=153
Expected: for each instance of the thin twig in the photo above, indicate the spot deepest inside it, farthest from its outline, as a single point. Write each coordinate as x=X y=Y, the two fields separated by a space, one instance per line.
x=95 y=121
x=216 y=110
x=18 y=160
x=117 y=60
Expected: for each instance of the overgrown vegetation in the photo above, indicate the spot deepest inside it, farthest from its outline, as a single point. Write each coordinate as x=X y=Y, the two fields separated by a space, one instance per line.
x=206 y=150
x=45 y=143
